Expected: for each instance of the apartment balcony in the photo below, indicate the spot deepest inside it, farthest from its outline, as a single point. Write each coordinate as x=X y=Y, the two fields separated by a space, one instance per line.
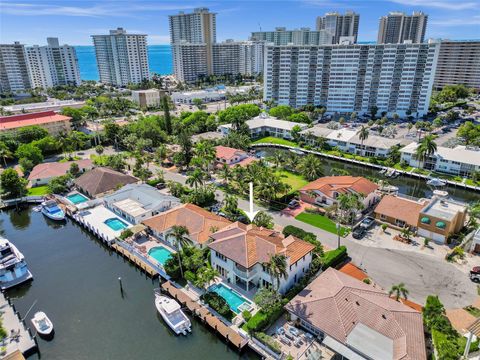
x=245 y=274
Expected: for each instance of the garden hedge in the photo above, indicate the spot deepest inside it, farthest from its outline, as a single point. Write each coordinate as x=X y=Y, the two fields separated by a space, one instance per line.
x=334 y=257
x=218 y=303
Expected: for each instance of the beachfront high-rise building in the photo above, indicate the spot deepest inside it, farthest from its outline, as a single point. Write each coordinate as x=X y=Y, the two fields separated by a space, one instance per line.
x=397 y=27
x=345 y=78
x=458 y=63
x=339 y=25
x=52 y=65
x=121 y=57
x=303 y=36
x=13 y=68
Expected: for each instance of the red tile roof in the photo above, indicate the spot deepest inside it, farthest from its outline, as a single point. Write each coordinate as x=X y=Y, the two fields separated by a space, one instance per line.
x=328 y=185
x=53 y=169
x=199 y=222
x=336 y=303
x=400 y=208
x=224 y=152
x=39 y=118
x=249 y=244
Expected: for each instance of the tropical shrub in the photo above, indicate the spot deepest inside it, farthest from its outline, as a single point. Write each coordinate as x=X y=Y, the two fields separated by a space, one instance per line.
x=334 y=257
x=269 y=342
x=218 y=303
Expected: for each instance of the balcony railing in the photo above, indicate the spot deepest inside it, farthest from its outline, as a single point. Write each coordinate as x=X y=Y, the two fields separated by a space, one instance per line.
x=246 y=274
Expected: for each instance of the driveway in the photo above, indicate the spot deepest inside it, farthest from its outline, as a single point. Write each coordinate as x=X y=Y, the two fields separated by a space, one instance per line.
x=422 y=274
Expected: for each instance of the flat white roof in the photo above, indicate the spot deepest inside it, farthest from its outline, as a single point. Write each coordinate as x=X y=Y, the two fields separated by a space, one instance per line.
x=269 y=121
x=444 y=208
x=130 y=207
x=459 y=153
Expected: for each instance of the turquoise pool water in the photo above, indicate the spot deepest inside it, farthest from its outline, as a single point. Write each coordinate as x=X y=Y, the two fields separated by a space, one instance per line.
x=160 y=254
x=77 y=198
x=233 y=299
x=115 y=224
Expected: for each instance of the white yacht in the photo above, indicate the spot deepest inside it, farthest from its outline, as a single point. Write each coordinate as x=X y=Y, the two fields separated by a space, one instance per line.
x=172 y=314
x=13 y=268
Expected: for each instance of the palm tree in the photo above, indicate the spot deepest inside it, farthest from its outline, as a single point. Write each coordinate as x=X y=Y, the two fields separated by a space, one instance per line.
x=225 y=173
x=195 y=178
x=277 y=268
x=426 y=148
x=5 y=153
x=407 y=233
x=399 y=290
x=179 y=234
x=206 y=151
x=363 y=135
x=310 y=167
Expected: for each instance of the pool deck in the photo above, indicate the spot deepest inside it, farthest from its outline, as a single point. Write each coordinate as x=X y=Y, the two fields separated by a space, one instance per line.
x=94 y=218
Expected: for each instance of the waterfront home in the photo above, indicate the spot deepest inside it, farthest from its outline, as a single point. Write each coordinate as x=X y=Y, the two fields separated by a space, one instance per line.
x=357 y=320
x=436 y=218
x=230 y=156
x=240 y=253
x=137 y=202
x=54 y=123
x=101 y=180
x=399 y=212
x=199 y=222
x=349 y=141
x=265 y=125
x=41 y=174
x=461 y=160
x=326 y=190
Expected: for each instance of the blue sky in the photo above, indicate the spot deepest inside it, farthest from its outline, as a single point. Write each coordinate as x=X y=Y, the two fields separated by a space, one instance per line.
x=31 y=22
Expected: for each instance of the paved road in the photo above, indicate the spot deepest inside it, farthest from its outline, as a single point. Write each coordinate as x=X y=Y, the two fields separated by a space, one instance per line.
x=422 y=274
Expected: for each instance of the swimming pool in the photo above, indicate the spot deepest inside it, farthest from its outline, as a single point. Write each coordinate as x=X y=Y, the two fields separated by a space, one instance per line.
x=76 y=198
x=235 y=301
x=160 y=254
x=115 y=224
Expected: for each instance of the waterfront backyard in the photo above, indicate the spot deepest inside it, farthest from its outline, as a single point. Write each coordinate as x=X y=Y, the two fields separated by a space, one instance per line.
x=76 y=284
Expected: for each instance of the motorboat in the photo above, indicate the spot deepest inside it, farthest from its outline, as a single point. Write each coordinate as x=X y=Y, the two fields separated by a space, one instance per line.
x=42 y=324
x=436 y=182
x=51 y=210
x=13 y=268
x=172 y=314
x=296 y=151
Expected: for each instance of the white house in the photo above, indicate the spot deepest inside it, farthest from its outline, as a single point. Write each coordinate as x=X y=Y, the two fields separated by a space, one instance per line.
x=460 y=160
x=240 y=253
x=137 y=202
x=265 y=125
x=208 y=95
x=348 y=140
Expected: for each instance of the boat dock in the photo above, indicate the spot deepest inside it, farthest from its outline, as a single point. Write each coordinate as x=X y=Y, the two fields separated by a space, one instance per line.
x=141 y=263
x=26 y=199
x=228 y=333
x=19 y=340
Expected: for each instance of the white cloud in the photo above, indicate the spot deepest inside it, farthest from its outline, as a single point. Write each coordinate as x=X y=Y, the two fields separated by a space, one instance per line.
x=440 y=4
x=465 y=21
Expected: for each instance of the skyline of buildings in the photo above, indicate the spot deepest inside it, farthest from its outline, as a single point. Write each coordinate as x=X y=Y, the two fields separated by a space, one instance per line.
x=397 y=27
x=121 y=57
x=13 y=68
x=339 y=25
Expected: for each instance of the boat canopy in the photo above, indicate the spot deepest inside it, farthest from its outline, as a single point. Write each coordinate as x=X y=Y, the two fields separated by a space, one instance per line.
x=170 y=306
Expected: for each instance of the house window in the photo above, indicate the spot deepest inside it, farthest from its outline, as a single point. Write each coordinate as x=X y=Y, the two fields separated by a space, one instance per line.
x=220 y=256
x=400 y=223
x=266 y=284
x=383 y=217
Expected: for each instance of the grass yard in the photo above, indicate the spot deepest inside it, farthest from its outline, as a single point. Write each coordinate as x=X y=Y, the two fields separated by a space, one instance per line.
x=294 y=180
x=274 y=140
x=39 y=190
x=321 y=222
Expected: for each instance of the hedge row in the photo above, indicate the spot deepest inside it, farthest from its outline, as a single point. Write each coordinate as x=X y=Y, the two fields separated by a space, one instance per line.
x=304 y=235
x=263 y=319
x=269 y=342
x=334 y=257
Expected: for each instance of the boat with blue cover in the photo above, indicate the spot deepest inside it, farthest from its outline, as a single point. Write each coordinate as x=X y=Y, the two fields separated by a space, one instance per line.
x=51 y=210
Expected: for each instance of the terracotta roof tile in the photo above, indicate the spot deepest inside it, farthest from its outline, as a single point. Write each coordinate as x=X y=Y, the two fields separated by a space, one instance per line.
x=341 y=184
x=224 y=152
x=400 y=208
x=53 y=169
x=335 y=303
x=198 y=221
x=39 y=118
x=461 y=319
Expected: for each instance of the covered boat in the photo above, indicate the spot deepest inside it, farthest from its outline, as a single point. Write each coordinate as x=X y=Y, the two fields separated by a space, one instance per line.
x=51 y=210
x=436 y=182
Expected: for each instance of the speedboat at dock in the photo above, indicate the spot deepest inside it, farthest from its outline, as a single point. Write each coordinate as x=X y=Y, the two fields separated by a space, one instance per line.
x=172 y=314
x=51 y=210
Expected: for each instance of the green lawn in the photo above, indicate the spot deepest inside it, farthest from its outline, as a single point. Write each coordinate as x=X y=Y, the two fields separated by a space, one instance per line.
x=274 y=140
x=39 y=190
x=321 y=222
x=294 y=180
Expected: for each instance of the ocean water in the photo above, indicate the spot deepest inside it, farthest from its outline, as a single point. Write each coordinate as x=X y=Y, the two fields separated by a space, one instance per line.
x=159 y=58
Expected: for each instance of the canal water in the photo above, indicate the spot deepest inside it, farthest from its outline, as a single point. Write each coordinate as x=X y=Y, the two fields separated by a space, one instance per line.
x=76 y=284
x=406 y=185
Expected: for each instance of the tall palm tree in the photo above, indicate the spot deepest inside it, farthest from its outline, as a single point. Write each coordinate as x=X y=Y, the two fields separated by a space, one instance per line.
x=399 y=290
x=5 y=153
x=310 y=167
x=206 y=151
x=195 y=178
x=426 y=148
x=225 y=173
x=179 y=234
x=277 y=268
x=363 y=135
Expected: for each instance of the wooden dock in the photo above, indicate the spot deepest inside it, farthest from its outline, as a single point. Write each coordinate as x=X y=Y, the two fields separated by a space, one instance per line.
x=206 y=316
x=135 y=260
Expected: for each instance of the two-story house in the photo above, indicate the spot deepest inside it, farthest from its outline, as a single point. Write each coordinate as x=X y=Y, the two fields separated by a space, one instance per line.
x=199 y=222
x=325 y=191
x=231 y=156
x=240 y=253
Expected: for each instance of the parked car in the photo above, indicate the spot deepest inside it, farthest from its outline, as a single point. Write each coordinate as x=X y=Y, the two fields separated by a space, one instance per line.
x=280 y=331
x=359 y=232
x=367 y=222
x=160 y=186
x=475 y=274
x=293 y=204
x=293 y=330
